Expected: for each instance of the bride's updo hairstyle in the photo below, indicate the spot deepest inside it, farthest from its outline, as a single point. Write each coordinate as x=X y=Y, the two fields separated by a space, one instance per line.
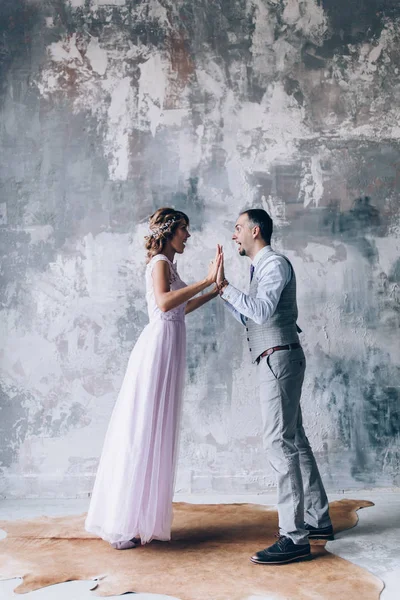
x=163 y=224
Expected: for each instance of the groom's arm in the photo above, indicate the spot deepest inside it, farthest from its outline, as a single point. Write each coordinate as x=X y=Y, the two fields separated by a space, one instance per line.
x=235 y=313
x=272 y=277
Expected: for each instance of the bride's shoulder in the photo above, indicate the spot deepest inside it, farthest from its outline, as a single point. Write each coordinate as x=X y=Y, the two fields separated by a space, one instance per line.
x=155 y=259
x=161 y=257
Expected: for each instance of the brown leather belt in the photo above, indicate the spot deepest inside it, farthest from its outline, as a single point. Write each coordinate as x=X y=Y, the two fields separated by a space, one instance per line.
x=276 y=348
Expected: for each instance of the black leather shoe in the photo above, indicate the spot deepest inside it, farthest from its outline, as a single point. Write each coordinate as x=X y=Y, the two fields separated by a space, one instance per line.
x=282 y=552
x=319 y=533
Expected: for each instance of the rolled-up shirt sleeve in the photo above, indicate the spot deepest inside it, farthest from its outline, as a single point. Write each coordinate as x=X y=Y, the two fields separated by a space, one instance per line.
x=272 y=276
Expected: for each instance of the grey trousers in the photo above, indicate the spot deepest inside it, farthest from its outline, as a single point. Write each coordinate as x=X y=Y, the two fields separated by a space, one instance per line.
x=301 y=494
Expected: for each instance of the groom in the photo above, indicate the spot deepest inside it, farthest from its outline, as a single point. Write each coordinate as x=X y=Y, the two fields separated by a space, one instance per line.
x=269 y=313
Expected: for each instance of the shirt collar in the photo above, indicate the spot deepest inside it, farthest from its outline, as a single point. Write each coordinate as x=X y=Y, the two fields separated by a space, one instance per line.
x=260 y=254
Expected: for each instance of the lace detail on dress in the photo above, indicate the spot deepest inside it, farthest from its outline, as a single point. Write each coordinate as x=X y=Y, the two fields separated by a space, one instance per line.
x=176 y=283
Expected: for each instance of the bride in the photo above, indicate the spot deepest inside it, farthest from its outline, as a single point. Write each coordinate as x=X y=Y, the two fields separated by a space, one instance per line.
x=131 y=502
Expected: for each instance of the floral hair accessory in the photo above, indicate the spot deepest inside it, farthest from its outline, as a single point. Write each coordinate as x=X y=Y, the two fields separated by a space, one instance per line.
x=158 y=231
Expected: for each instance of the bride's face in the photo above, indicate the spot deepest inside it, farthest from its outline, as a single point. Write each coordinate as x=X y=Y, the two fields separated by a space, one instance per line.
x=181 y=235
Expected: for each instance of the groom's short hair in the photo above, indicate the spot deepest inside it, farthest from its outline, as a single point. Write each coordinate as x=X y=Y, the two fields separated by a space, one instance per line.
x=260 y=218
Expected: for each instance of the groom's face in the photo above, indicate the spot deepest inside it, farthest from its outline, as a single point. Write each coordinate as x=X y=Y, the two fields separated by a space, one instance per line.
x=243 y=235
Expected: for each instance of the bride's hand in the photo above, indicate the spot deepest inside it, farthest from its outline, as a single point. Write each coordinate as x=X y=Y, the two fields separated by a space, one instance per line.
x=214 y=266
x=221 y=270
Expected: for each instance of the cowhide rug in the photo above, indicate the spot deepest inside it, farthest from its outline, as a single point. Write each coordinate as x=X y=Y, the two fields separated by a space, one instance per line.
x=207 y=559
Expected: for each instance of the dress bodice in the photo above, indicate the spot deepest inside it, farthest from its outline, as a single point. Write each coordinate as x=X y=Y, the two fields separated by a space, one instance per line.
x=176 y=283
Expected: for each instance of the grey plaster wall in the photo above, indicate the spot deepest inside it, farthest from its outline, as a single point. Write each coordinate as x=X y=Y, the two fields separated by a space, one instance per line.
x=110 y=109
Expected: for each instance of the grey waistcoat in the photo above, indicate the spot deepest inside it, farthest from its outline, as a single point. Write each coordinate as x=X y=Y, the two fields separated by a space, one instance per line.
x=281 y=328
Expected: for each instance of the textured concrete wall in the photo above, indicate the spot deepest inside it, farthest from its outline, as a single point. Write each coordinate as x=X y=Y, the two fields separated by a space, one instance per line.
x=110 y=109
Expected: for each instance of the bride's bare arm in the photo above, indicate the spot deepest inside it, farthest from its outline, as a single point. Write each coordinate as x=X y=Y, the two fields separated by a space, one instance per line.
x=195 y=303
x=167 y=299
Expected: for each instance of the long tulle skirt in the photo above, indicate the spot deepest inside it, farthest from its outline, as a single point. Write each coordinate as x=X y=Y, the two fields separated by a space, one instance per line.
x=132 y=495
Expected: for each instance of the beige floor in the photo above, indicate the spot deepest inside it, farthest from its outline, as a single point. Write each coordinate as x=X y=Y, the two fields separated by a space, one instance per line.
x=374 y=544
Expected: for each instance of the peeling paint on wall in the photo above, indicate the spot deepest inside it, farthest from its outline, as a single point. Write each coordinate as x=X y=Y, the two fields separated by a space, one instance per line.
x=110 y=109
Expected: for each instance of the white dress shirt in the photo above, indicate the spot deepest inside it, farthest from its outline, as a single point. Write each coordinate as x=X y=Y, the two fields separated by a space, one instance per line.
x=272 y=276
